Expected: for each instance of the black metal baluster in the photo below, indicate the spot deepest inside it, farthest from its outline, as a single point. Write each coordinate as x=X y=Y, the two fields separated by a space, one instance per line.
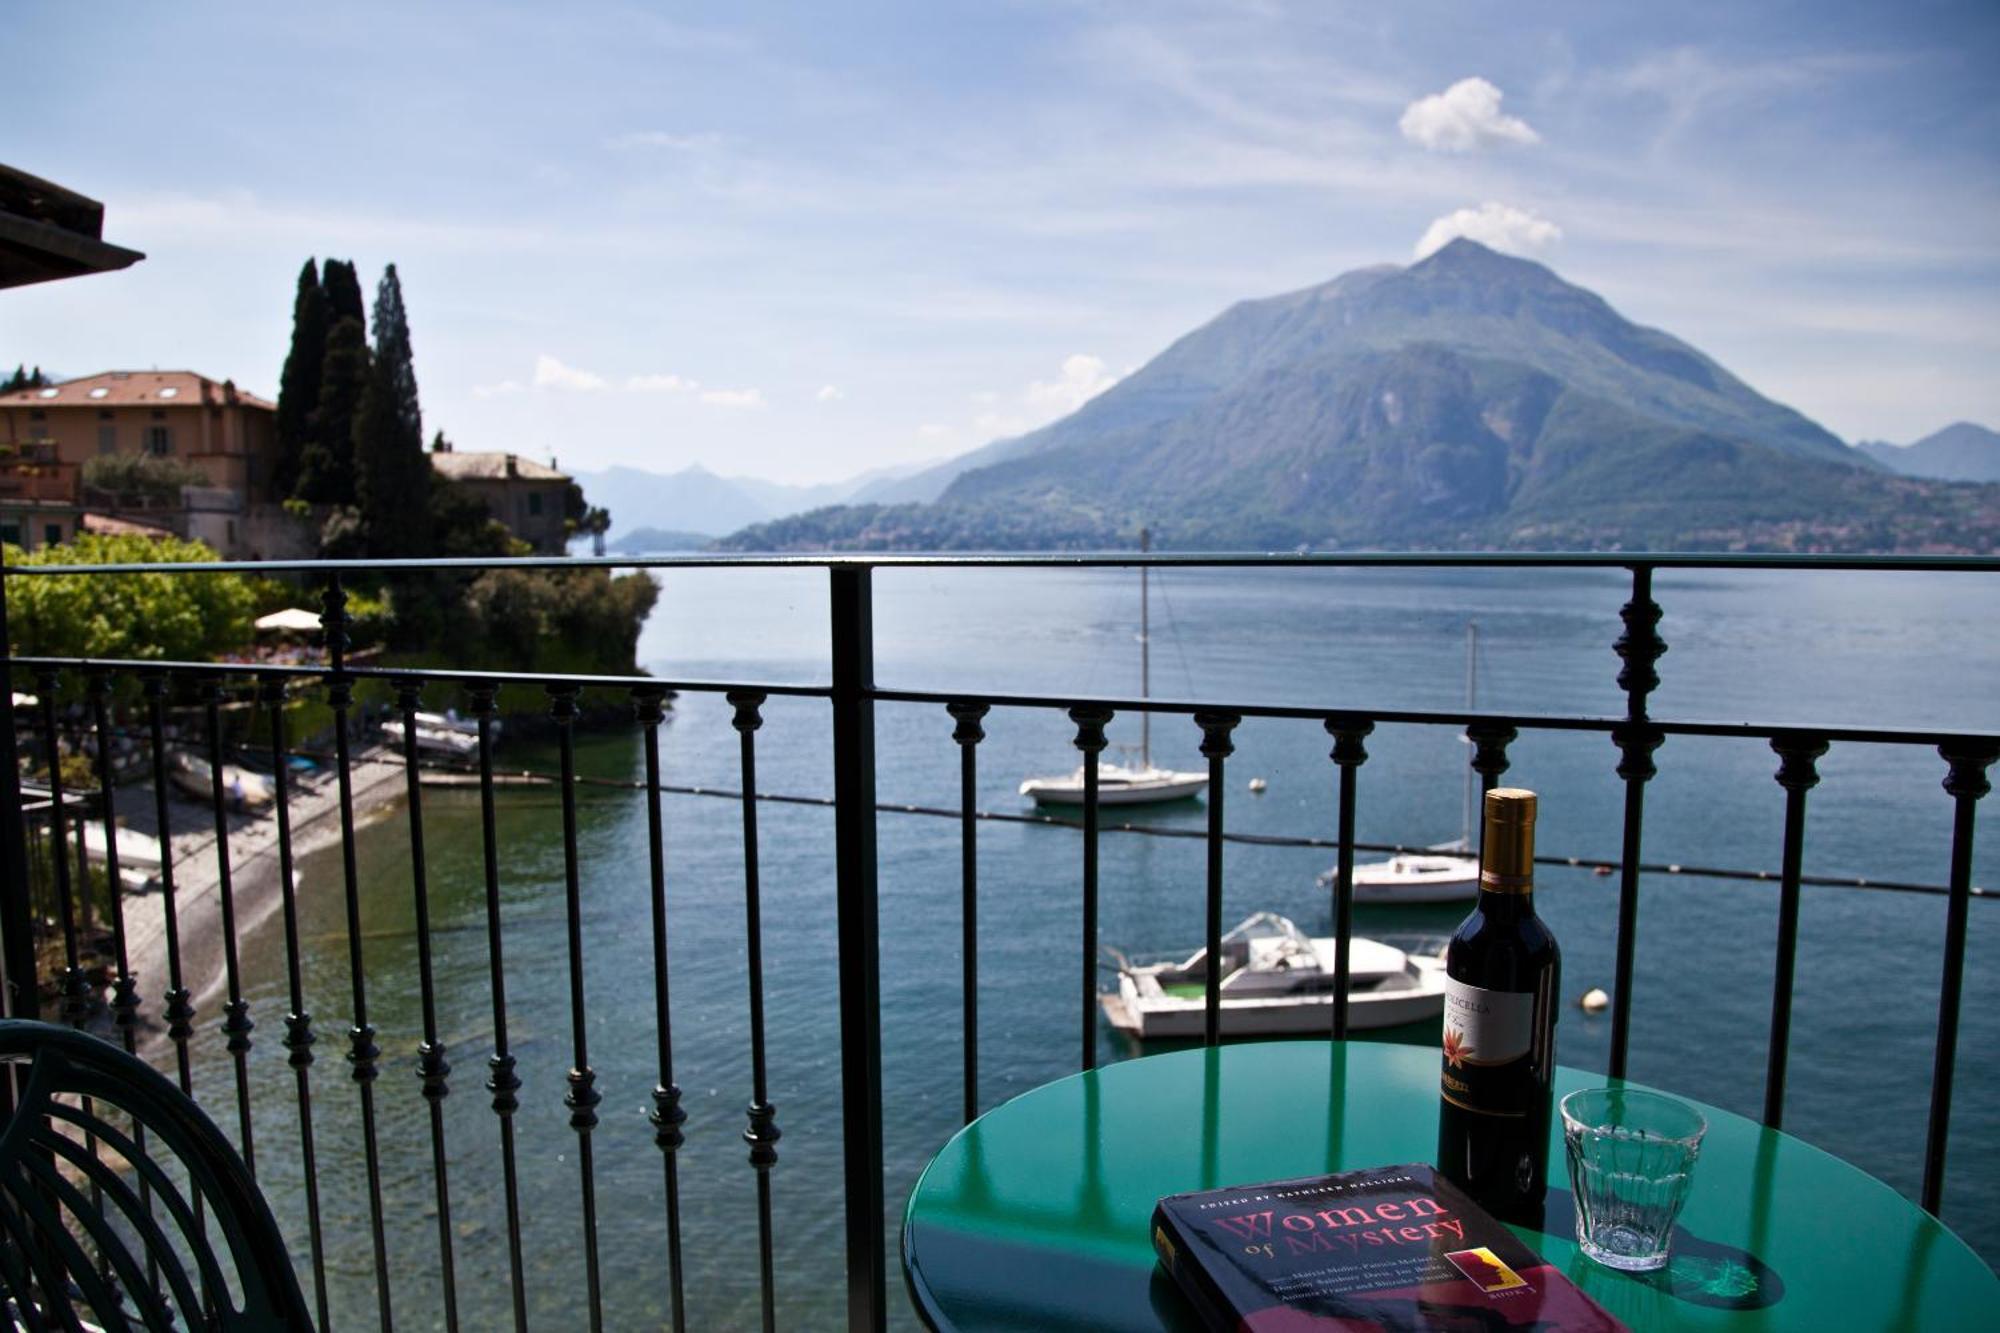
x=1348 y=732
x=1797 y=775
x=1216 y=746
x=17 y=908
x=583 y=1096
x=299 y=1038
x=1489 y=760
x=968 y=733
x=73 y=989
x=1640 y=647
x=124 y=987
x=1966 y=782
x=667 y=1115
x=502 y=1082
x=851 y=617
x=762 y=1134
x=362 y=1051
x=1090 y=723
x=432 y=1068
x=236 y=1024
x=179 y=1009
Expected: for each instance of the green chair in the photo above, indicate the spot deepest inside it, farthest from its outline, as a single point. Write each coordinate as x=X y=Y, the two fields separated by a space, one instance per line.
x=77 y=1240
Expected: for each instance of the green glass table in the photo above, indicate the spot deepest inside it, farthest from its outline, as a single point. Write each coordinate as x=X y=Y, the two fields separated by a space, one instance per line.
x=1036 y=1215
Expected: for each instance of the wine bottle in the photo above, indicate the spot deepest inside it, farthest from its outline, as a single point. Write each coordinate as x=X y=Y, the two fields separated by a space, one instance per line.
x=1502 y=971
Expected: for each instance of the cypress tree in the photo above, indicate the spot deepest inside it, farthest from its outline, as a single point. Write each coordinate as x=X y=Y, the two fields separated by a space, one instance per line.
x=392 y=476
x=298 y=386
x=343 y=293
x=326 y=467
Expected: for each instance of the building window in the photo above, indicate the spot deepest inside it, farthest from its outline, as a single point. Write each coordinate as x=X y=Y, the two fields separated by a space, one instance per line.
x=159 y=440
x=534 y=504
x=107 y=439
x=52 y=534
x=10 y=533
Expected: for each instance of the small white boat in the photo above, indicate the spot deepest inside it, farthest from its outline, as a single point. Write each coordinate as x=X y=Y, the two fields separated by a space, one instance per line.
x=447 y=741
x=1118 y=784
x=1276 y=980
x=449 y=720
x=1143 y=783
x=1447 y=872
x=138 y=854
x=241 y=788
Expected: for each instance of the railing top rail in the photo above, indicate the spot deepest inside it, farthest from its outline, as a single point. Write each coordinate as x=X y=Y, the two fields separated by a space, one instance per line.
x=1069 y=560
x=1305 y=712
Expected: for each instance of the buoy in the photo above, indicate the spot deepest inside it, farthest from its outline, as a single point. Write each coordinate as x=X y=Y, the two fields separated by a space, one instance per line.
x=1594 y=1001
x=1601 y=871
x=1257 y=785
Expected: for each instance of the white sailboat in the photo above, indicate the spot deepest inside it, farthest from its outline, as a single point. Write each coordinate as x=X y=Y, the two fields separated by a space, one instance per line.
x=1127 y=784
x=1447 y=872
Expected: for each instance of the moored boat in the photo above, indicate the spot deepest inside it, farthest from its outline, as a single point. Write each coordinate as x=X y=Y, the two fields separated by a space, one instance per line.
x=447 y=741
x=241 y=788
x=1276 y=980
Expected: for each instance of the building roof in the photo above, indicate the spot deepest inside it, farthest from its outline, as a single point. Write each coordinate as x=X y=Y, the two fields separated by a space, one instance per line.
x=47 y=232
x=457 y=466
x=132 y=388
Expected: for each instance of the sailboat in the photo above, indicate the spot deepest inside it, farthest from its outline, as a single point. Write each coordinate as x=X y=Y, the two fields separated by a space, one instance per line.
x=1449 y=871
x=1127 y=784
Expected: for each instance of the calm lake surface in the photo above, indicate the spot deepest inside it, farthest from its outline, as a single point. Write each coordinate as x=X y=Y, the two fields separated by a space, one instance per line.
x=1887 y=649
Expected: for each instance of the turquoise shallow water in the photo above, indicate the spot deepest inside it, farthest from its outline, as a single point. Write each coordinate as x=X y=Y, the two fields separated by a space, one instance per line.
x=1887 y=649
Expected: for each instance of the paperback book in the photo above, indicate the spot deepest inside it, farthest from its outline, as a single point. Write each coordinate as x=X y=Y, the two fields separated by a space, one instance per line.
x=1392 y=1248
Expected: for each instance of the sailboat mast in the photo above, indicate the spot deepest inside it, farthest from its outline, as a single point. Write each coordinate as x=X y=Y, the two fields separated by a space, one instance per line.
x=1471 y=702
x=1145 y=652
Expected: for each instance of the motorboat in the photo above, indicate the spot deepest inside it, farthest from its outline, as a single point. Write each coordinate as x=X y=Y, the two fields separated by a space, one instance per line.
x=1118 y=784
x=447 y=741
x=1275 y=980
x=242 y=789
x=1143 y=783
x=1447 y=872
x=449 y=720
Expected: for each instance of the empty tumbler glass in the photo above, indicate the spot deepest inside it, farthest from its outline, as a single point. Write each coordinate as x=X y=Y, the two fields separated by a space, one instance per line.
x=1631 y=1156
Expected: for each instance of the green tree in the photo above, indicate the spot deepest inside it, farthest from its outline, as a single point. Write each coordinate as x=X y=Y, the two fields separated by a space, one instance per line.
x=392 y=477
x=164 y=617
x=298 y=386
x=22 y=379
x=326 y=467
x=343 y=291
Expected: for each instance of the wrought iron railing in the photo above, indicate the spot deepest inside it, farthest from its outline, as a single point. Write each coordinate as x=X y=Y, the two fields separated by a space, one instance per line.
x=851 y=695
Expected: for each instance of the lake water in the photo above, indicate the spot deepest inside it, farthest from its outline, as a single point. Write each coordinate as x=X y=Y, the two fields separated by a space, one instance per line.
x=1884 y=649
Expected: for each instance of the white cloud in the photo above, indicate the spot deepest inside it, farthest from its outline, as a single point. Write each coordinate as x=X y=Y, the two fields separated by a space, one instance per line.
x=505 y=388
x=829 y=393
x=1462 y=118
x=733 y=397
x=553 y=374
x=660 y=384
x=1501 y=226
x=1083 y=378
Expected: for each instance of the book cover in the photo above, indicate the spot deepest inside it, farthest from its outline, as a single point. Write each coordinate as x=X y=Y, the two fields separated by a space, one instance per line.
x=1391 y=1248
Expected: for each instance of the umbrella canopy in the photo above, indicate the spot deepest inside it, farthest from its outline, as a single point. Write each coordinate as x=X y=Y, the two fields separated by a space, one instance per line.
x=293 y=619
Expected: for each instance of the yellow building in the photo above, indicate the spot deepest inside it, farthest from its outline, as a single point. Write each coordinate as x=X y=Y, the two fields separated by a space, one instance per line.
x=525 y=495
x=48 y=434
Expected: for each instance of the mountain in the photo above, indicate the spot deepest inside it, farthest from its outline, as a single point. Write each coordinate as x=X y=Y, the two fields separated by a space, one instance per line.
x=1471 y=399
x=1959 y=452
x=695 y=500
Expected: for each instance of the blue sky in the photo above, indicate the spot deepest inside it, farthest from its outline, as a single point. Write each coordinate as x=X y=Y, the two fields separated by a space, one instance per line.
x=799 y=241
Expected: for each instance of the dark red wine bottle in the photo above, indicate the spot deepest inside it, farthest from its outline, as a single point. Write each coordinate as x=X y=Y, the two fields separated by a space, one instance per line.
x=1502 y=972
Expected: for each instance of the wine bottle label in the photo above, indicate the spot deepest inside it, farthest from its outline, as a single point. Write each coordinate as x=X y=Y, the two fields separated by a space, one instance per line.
x=1488 y=1035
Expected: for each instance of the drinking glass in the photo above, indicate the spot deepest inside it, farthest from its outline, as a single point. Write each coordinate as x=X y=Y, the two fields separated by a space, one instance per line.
x=1631 y=1156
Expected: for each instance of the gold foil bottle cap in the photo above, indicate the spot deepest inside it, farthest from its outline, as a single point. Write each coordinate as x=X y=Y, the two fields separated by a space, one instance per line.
x=1507 y=852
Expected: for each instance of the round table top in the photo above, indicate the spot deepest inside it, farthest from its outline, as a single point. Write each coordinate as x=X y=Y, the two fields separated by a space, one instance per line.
x=1037 y=1214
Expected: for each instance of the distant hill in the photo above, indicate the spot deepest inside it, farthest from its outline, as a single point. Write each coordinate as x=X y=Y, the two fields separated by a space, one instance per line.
x=697 y=500
x=651 y=541
x=1469 y=400
x=1959 y=452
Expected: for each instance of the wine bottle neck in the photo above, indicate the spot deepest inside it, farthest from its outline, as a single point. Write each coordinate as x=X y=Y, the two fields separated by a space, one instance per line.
x=1509 y=906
